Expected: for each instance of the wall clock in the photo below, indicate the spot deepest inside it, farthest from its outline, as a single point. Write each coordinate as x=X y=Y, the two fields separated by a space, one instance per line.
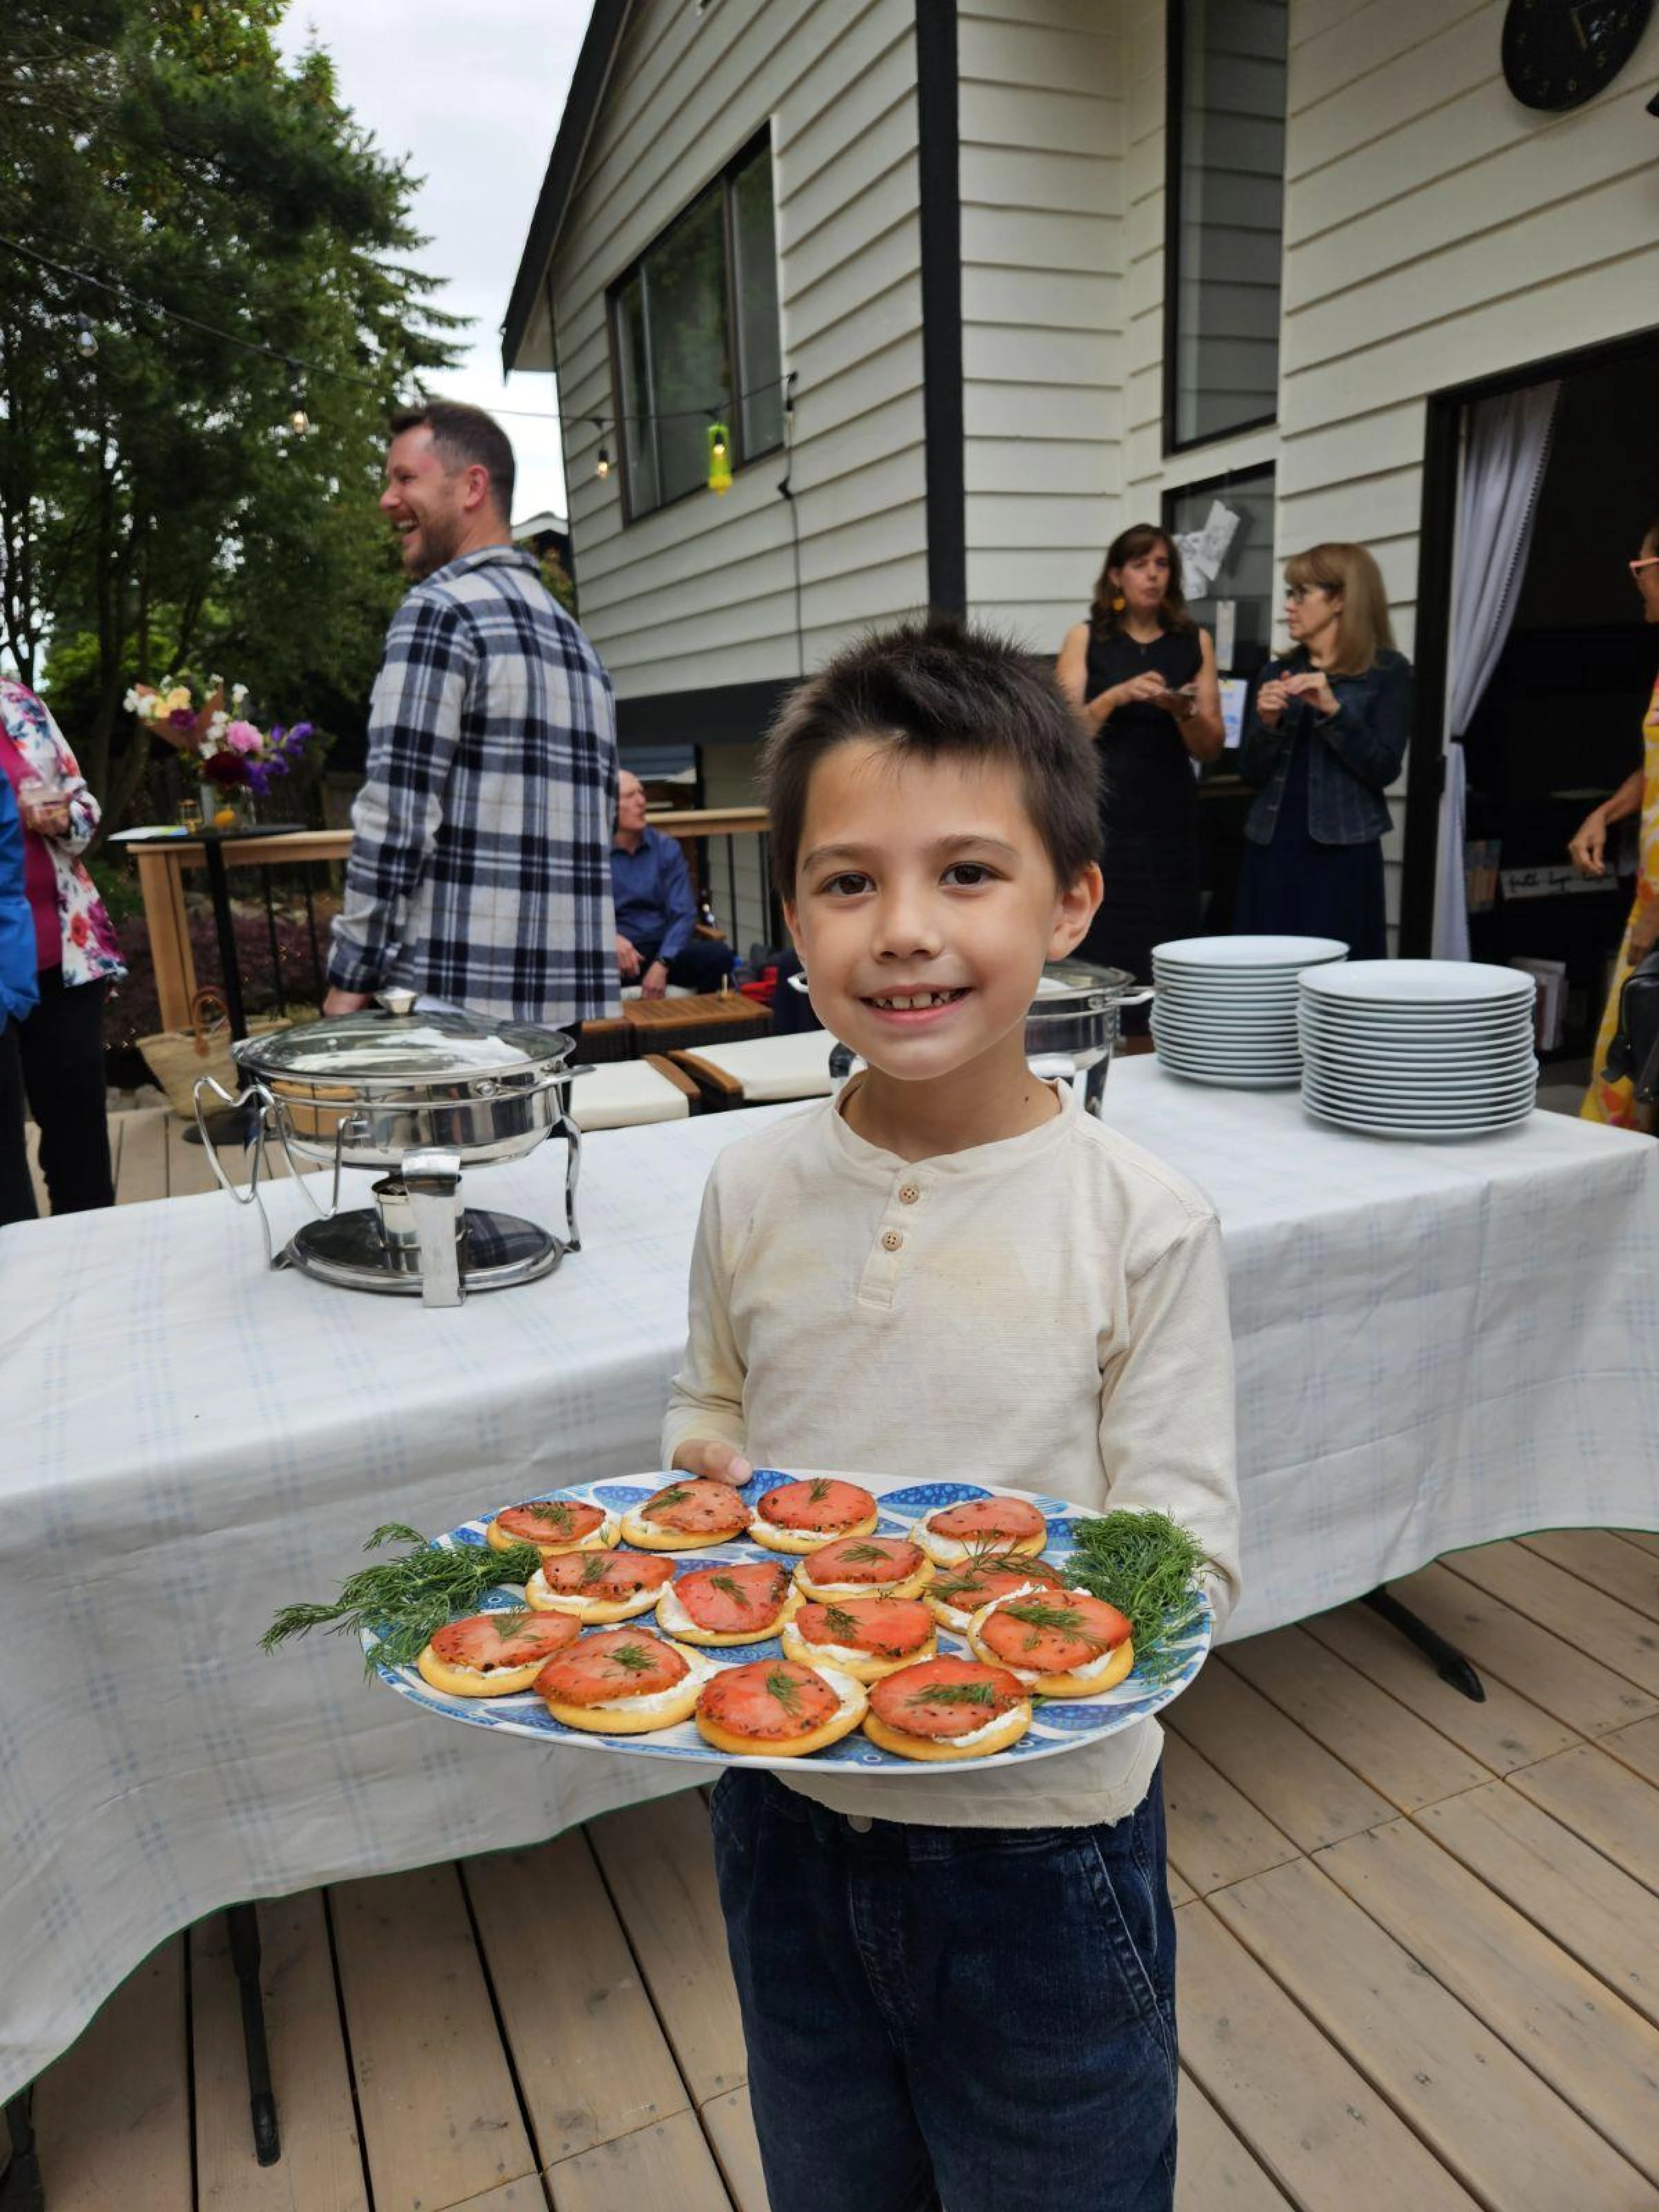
x=1560 y=53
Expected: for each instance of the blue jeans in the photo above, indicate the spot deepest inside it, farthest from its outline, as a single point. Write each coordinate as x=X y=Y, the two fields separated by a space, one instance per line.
x=978 y=2017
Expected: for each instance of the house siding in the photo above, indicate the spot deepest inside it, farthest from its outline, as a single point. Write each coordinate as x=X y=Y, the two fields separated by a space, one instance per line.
x=702 y=593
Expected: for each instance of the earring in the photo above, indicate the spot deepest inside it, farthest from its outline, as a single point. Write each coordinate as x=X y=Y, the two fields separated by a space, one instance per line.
x=1119 y=604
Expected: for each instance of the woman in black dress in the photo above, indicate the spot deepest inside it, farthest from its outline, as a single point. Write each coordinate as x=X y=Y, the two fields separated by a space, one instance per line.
x=1325 y=736
x=1143 y=674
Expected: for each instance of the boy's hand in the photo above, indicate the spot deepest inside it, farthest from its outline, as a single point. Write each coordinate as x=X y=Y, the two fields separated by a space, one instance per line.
x=720 y=1462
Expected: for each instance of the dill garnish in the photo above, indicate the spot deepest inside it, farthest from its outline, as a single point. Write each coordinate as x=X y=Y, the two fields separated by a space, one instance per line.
x=632 y=1658
x=958 y=1694
x=729 y=1588
x=553 y=1511
x=507 y=1625
x=863 y=1554
x=841 y=1623
x=817 y=1490
x=1145 y=1565
x=407 y=1601
x=677 y=1495
x=593 y=1569
x=1037 y=1612
x=785 y=1688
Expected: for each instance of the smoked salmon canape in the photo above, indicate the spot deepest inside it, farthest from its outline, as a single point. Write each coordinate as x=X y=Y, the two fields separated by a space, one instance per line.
x=553 y=1525
x=718 y=1605
x=947 y=1708
x=1060 y=1644
x=951 y=1533
x=494 y=1655
x=864 y=1566
x=956 y=1594
x=805 y=1516
x=623 y=1681
x=597 y=1587
x=864 y=1636
x=778 y=1709
x=688 y=1516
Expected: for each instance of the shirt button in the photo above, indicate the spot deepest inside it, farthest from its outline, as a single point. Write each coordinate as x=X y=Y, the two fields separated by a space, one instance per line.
x=858 y=1824
x=892 y=1239
x=908 y=1193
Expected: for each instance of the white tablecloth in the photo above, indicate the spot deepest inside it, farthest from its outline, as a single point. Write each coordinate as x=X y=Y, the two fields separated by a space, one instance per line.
x=1437 y=1346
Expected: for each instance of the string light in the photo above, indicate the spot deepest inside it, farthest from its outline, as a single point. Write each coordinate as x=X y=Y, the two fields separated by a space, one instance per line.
x=602 y=467
x=85 y=337
x=720 y=459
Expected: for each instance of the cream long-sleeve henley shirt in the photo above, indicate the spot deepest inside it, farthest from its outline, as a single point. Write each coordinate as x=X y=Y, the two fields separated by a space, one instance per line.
x=1047 y=1312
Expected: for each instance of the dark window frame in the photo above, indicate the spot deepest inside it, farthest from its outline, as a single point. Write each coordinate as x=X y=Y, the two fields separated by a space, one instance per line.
x=1224 y=769
x=1175 y=86
x=757 y=148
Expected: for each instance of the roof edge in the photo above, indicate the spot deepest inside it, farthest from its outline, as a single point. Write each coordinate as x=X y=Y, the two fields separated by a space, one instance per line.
x=587 y=86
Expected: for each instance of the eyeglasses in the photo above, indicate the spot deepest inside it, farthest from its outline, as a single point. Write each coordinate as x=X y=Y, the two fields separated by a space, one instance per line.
x=1297 y=592
x=1651 y=561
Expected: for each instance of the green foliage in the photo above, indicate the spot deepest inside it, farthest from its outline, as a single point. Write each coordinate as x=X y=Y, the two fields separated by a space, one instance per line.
x=157 y=509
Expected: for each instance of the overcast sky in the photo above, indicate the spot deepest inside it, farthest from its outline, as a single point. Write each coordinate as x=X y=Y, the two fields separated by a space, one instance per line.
x=472 y=96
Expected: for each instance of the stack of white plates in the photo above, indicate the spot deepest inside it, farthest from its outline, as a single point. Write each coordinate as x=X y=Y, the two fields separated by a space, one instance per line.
x=1225 y=1009
x=1429 y=1049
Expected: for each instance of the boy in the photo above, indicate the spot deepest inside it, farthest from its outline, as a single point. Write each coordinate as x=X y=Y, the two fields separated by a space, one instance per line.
x=961 y=1988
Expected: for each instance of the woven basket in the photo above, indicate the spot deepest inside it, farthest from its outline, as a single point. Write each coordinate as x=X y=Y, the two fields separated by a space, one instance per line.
x=179 y=1059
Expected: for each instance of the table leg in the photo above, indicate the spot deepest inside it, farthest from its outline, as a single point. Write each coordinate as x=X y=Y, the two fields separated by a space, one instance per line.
x=20 y=2180
x=242 y=1923
x=1448 y=1662
x=239 y=1124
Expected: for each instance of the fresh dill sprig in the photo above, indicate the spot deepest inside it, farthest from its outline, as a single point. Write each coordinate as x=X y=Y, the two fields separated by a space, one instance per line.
x=1037 y=1613
x=786 y=1689
x=407 y=1601
x=817 y=1490
x=632 y=1658
x=1146 y=1566
x=507 y=1625
x=554 y=1511
x=958 y=1694
x=676 y=1494
x=729 y=1588
x=840 y=1622
x=863 y=1554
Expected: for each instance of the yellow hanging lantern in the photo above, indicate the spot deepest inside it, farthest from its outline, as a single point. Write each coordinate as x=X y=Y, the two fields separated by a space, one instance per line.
x=720 y=458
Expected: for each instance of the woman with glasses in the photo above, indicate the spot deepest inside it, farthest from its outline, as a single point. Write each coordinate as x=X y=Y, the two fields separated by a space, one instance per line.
x=1143 y=675
x=1325 y=737
x=1639 y=793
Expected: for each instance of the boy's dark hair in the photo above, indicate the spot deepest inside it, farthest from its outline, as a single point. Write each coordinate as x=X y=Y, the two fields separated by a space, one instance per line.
x=465 y=437
x=931 y=690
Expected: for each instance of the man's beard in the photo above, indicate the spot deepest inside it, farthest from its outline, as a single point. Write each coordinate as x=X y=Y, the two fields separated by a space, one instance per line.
x=440 y=540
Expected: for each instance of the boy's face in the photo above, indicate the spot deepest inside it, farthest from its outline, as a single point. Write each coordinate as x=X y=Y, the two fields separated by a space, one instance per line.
x=925 y=907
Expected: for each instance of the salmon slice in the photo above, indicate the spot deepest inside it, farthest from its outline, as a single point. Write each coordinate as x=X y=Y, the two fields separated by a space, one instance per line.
x=818 y=1507
x=1053 y=1634
x=489 y=1642
x=698 y=1507
x=945 y=1697
x=608 y=1577
x=978 y=1580
x=727 y=1601
x=551 y=1521
x=871 y=1559
x=885 y=1628
x=618 y=1662
x=989 y=1520
x=768 y=1700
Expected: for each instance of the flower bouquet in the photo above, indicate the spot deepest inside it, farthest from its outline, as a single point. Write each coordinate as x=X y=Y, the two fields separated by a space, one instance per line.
x=236 y=759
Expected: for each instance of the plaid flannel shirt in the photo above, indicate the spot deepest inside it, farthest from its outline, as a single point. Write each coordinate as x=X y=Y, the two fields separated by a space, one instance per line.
x=480 y=864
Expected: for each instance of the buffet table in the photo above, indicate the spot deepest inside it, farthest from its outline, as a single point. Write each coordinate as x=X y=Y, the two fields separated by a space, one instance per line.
x=1437 y=1346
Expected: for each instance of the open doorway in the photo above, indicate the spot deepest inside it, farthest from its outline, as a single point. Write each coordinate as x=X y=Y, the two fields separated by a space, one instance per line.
x=1559 y=724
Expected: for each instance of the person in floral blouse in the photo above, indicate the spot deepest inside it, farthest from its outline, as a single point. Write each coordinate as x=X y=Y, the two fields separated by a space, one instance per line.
x=61 y=1042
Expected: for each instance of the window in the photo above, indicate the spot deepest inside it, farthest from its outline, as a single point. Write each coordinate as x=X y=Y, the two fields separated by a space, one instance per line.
x=1237 y=601
x=1224 y=218
x=694 y=335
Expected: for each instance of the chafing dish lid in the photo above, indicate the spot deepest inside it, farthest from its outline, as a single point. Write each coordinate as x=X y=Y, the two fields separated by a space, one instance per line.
x=376 y=1046
x=1065 y=983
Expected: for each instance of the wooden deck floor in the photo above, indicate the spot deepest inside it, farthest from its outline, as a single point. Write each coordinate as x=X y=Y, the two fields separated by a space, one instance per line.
x=1420 y=1956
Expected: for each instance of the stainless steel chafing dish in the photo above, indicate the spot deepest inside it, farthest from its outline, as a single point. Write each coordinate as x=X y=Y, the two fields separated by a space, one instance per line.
x=416 y=1098
x=1071 y=1030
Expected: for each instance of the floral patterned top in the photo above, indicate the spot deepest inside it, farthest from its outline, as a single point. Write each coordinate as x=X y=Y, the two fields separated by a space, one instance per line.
x=91 y=952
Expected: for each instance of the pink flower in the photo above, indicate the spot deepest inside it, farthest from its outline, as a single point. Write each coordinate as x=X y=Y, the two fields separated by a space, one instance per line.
x=243 y=738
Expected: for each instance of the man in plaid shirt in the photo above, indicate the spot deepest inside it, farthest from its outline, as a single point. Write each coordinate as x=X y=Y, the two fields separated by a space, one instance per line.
x=480 y=865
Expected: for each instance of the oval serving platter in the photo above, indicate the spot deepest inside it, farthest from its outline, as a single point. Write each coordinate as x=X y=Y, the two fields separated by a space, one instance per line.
x=1057 y=1724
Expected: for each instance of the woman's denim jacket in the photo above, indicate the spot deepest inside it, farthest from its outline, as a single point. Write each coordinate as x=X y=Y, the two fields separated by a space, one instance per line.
x=1355 y=753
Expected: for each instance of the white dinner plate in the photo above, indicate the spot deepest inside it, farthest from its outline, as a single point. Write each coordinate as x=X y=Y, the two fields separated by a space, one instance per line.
x=1405 y=1052
x=1195 y=1056
x=1360 y=1127
x=1417 y=1098
x=1221 y=1079
x=1228 y=1002
x=1412 y=1106
x=1266 y=953
x=1057 y=1725
x=1419 y=983
x=1432 y=1034
x=1201 y=1026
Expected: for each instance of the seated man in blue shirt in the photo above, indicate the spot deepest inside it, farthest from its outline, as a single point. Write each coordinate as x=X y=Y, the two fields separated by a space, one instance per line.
x=656 y=914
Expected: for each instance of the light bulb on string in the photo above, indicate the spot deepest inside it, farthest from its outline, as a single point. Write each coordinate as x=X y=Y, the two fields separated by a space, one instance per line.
x=85 y=337
x=602 y=467
x=720 y=458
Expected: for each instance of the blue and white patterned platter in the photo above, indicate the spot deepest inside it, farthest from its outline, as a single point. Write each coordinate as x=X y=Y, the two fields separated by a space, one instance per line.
x=1057 y=1724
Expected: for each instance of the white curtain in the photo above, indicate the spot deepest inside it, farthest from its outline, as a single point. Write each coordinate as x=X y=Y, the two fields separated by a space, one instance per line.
x=1505 y=451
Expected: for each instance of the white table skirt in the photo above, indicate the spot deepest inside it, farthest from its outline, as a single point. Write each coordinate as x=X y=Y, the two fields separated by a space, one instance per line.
x=1437 y=1346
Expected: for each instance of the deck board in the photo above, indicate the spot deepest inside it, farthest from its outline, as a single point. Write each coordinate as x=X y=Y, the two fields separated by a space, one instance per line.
x=1308 y=1796
x=128 y=2077
x=1504 y=2133
x=1606 y=1562
x=1590 y=1792
x=1216 y=1836
x=1215 y=2171
x=668 y=2164
x=1623 y=1639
